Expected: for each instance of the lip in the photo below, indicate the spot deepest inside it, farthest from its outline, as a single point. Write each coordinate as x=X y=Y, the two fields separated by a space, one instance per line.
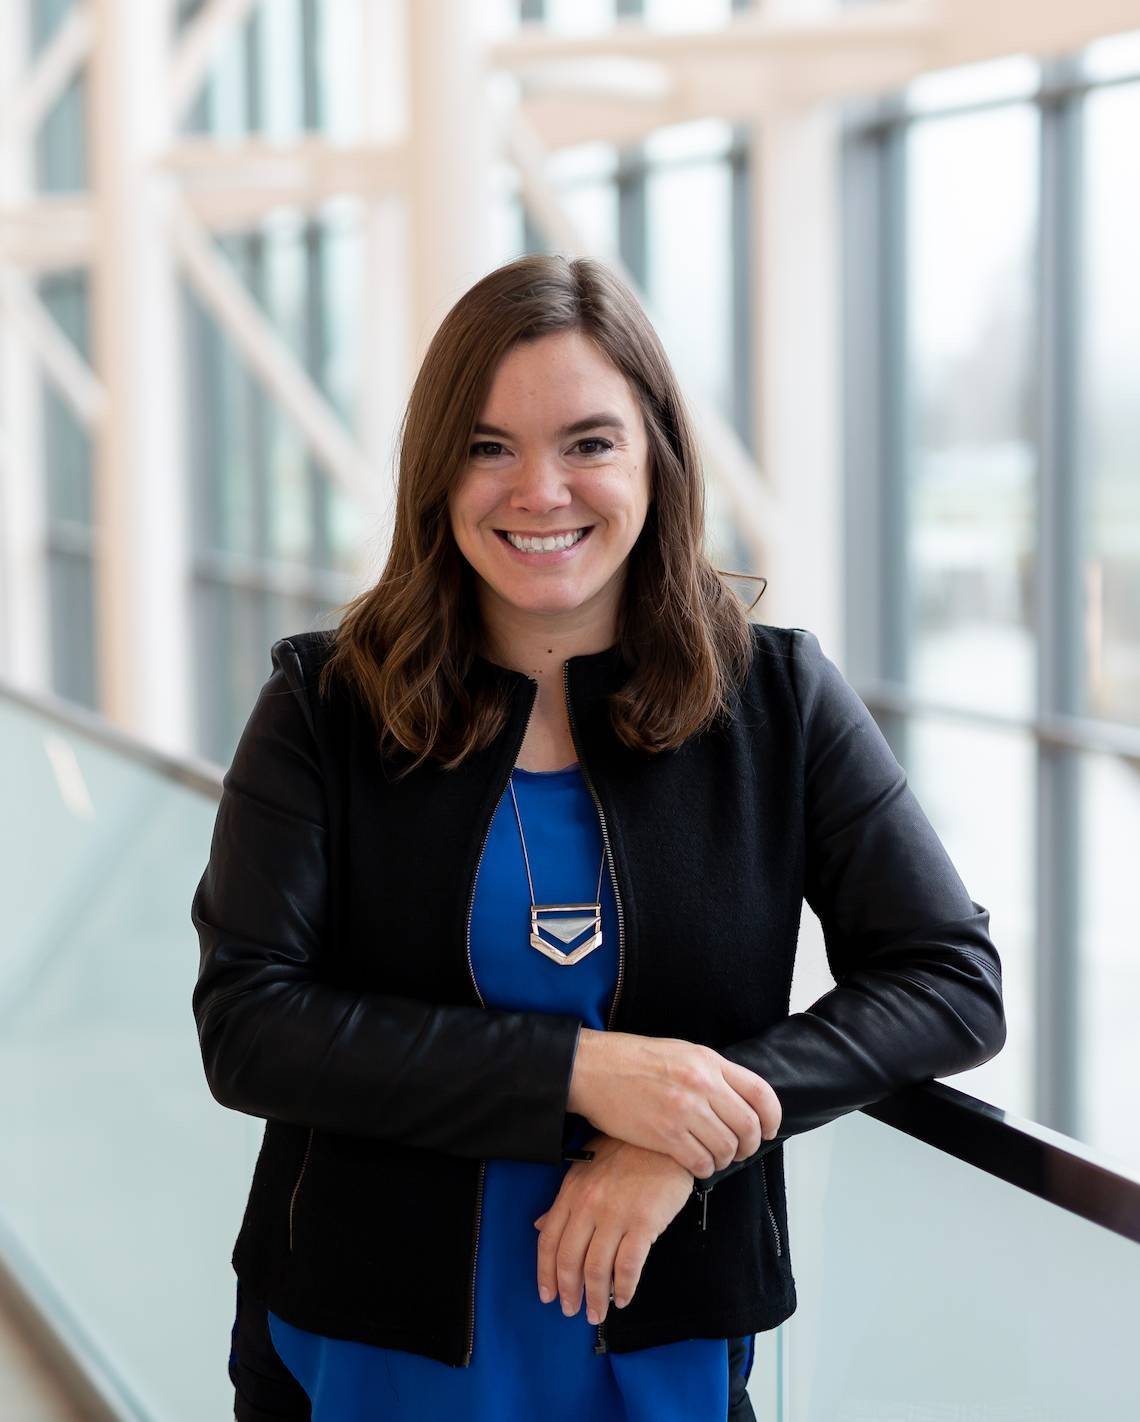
x=544 y=560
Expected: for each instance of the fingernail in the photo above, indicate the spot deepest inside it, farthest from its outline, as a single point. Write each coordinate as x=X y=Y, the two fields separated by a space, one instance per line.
x=545 y=1294
x=567 y=1310
x=621 y=1303
x=592 y=1315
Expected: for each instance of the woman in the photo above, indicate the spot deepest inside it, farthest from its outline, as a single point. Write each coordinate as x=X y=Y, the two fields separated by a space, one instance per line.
x=501 y=908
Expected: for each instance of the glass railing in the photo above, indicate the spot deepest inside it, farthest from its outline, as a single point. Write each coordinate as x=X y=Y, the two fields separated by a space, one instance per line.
x=123 y=1181
x=950 y=1262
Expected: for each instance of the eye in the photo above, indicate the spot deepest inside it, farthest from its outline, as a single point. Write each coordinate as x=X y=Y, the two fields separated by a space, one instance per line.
x=485 y=444
x=606 y=444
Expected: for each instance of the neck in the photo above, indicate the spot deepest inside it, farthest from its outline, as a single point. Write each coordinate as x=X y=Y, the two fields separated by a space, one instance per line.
x=538 y=646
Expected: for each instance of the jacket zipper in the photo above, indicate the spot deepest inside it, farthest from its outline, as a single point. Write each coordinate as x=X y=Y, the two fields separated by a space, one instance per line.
x=482 y=1003
x=702 y=1192
x=297 y=1186
x=768 y=1202
x=600 y=1346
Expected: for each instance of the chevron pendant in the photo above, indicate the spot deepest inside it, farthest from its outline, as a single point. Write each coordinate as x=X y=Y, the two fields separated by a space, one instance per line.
x=551 y=924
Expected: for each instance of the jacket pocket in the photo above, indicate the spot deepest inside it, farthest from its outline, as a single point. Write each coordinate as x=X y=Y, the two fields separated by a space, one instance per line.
x=297 y=1185
x=768 y=1203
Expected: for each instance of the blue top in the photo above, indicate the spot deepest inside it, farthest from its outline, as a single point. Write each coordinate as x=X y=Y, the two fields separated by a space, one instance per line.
x=528 y=1359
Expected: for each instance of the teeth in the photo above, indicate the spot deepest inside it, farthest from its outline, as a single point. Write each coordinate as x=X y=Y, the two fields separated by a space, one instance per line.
x=545 y=545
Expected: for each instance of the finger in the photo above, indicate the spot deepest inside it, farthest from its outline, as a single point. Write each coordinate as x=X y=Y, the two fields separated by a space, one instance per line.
x=741 y=1122
x=758 y=1095
x=629 y=1261
x=598 y=1272
x=547 y=1250
x=571 y=1258
x=697 y=1158
x=717 y=1138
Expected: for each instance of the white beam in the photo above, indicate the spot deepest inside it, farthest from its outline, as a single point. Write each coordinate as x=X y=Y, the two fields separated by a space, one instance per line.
x=25 y=622
x=384 y=370
x=313 y=167
x=975 y=30
x=46 y=232
x=55 y=67
x=73 y=378
x=796 y=321
x=286 y=380
x=198 y=46
x=142 y=560
x=761 y=65
x=749 y=35
x=451 y=156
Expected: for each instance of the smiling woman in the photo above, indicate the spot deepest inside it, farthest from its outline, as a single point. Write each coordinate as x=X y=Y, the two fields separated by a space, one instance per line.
x=501 y=913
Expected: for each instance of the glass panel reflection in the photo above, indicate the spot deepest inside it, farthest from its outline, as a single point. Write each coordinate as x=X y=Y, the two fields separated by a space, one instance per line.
x=970 y=455
x=977 y=787
x=1109 y=1007
x=931 y=1291
x=689 y=281
x=123 y=1180
x=1111 y=404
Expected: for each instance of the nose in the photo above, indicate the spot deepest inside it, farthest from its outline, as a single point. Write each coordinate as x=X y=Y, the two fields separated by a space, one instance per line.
x=540 y=485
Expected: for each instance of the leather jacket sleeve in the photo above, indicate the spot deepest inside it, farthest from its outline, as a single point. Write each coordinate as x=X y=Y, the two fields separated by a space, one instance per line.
x=918 y=979
x=278 y=1042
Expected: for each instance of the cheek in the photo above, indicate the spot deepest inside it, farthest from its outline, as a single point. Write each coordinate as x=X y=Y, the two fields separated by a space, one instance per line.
x=472 y=500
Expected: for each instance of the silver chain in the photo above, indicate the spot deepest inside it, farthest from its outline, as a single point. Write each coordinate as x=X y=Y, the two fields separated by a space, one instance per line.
x=526 y=857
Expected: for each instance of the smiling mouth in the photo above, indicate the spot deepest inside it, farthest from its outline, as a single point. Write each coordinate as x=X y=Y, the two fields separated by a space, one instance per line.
x=544 y=543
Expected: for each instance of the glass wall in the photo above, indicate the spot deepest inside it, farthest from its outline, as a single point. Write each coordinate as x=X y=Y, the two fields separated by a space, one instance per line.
x=971 y=455
x=1004 y=584
x=1109 y=562
x=60 y=166
x=276 y=539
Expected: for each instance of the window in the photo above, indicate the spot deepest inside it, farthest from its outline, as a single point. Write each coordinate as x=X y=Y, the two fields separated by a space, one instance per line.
x=993 y=422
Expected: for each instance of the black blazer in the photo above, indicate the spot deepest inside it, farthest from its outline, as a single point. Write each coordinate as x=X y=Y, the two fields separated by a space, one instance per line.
x=335 y=997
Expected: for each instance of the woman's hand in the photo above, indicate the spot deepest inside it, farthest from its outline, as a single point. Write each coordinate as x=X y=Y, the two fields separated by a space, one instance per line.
x=606 y=1215
x=672 y=1096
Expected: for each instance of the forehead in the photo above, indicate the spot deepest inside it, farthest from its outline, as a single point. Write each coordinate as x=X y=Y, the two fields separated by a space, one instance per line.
x=556 y=379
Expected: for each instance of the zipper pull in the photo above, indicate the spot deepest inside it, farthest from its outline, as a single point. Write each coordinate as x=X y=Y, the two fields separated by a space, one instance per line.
x=704 y=1198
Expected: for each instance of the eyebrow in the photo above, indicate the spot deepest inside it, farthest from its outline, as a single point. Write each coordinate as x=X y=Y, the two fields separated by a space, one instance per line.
x=591 y=422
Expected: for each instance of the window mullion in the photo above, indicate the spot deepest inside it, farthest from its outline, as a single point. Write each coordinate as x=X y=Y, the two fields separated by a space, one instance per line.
x=1059 y=604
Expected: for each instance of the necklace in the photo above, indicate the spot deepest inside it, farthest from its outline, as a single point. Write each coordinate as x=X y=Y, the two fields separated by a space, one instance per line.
x=565 y=922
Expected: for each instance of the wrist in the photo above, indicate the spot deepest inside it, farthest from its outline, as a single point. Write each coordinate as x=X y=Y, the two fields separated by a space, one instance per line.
x=580 y=1074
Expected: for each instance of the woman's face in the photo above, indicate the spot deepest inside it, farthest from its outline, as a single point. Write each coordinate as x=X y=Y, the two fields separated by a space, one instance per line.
x=560 y=449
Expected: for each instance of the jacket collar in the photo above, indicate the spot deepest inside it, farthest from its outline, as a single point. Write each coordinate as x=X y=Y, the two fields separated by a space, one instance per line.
x=590 y=674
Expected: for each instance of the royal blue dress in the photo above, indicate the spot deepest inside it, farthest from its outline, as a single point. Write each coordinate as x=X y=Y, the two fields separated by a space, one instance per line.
x=529 y=1360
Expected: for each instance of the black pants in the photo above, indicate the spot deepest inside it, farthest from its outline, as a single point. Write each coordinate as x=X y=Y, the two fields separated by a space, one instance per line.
x=739 y=1371
x=266 y=1391
x=264 y=1388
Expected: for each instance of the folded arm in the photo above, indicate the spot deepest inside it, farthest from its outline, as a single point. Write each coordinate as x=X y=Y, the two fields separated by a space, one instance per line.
x=918 y=992
x=278 y=1042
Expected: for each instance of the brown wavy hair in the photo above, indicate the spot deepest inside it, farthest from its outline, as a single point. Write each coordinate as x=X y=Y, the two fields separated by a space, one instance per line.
x=404 y=646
